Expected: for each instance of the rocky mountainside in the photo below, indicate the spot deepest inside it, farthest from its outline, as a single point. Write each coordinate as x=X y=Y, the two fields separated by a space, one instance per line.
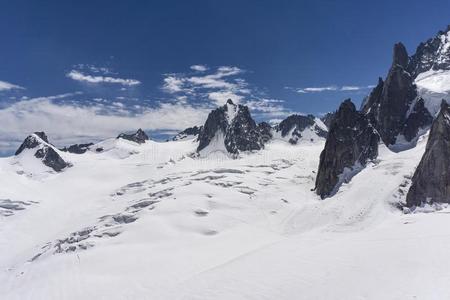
x=394 y=108
x=38 y=144
x=138 y=137
x=389 y=102
x=351 y=142
x=434 y=54
x=431 y=180
x=188 y=133
x=231 y=128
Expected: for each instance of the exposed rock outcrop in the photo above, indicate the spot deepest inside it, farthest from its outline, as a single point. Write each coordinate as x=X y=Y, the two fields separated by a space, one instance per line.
x=44 y=151
x=295 y=125
x=434 y=54
x=138 y=137
x=190 y=132
x=431 y=180
x=328 y=118
x=389 y=102
x=77 y=148
x=352 y=141
x=419 y=118
x=230 y=127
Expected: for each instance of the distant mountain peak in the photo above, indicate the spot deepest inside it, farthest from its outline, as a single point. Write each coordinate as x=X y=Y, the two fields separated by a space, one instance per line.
x=138 y=137
x=44 y=151
x=230 y=128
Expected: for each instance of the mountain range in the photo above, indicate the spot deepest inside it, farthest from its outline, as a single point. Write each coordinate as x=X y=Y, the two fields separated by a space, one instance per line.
x=235 y=209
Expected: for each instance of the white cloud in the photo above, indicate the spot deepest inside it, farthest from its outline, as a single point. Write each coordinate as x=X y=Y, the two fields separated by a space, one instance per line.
x=173 y=84
x=331 y=88
x=5 y=86
x=199 y=68
x=317 y=89
x=217 y=86
x=78 y=76
x=69 y=123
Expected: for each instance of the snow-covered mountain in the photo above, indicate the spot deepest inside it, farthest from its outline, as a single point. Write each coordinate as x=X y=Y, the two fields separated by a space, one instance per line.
x=234 y=210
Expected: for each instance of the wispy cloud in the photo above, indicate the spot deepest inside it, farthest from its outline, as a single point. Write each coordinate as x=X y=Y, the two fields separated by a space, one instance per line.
x=77 y=123
x=216 y=86
x=5 y=86
x=330 y=88
x=79 y=76
x=199 y=68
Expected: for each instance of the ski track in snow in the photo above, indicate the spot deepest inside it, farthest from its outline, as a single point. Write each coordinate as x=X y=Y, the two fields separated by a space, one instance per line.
x=151 y=222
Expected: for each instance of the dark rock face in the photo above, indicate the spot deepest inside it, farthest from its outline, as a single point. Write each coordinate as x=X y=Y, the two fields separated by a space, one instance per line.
x=32 y=142
x=265 y=132
x=431 y=181
x=51 y=159
x=419 y=118
x=237 y=126
x=389 y=102
x=296 y=124
x=431 y=55
x=374 y=96
x=352 y=141
x=327 y=119
x=190 y=131
x=45 y=151
x=138 y=137
x=77 y=148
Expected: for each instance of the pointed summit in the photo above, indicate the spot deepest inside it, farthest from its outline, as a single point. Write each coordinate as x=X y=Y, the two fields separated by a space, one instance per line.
x=400 y=56
x=46 y=152
x=229 y=101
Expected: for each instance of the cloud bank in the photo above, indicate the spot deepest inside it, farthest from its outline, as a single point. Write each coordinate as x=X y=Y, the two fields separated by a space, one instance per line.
x=68 y=123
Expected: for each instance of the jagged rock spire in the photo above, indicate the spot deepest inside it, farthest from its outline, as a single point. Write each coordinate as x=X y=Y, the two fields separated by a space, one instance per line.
x=400 y=55
x=431 y=180
x=351 y=142
x=389 y=102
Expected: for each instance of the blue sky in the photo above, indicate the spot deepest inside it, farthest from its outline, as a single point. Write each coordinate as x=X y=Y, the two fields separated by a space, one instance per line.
x=88 y=69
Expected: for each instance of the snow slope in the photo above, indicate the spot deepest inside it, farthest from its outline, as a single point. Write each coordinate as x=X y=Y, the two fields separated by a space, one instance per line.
x=433 y=86
x=155 y=222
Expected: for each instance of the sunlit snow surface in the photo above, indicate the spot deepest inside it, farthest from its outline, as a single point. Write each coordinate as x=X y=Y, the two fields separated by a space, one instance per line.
x=434 y=86
x=154 y=222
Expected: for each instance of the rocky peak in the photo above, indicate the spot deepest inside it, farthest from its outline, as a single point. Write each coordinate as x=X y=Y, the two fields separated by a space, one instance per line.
x=231 y=127
x=431 y=180
x=400 y=56
x=434 y=54
x=44 y=151
x=351 y=143
x=389 y=101
x=138 y=137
